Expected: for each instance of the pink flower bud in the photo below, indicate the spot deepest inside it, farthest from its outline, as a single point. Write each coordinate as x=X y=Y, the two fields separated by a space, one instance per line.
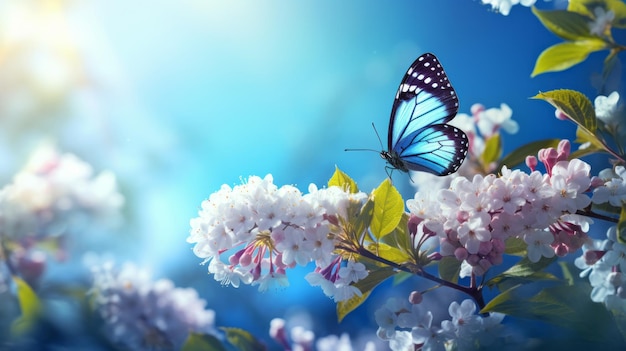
x=485 y=247
x=560 y=250
x=560 y=115
x=596 y=182
x=592 y=256
x=473 y=260
x=415 y=298
x=484 y=264
x=531 y=162
x=495 y=258
x=461 y=253
x=414 y=221
x=563 y=150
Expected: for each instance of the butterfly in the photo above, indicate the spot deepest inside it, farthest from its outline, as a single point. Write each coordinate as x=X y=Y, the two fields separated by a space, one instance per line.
x=419 y=138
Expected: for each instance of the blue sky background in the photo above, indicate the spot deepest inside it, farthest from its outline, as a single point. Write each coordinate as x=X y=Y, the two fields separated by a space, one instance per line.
x=180 y=97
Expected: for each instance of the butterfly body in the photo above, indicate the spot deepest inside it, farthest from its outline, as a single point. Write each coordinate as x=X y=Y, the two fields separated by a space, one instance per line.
x=419 y=138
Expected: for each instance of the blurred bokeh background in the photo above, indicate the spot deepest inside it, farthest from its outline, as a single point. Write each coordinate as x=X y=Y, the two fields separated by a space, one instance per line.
x=179 y=97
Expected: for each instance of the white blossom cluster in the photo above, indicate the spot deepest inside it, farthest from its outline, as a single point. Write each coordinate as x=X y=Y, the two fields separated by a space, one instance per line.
x=53 y=194
x=302 y=339
x=141 y=314
x=407 y=327
x=264 y=229
x=473 y=218
x=604 y=261
x=504 y=6
x=613 y=188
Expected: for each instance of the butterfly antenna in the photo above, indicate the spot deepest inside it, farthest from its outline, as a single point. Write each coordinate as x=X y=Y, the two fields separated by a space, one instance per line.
x=378 y=136
x=379 y=140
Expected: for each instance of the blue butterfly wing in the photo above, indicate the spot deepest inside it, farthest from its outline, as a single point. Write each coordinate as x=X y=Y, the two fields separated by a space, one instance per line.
x=419 y=138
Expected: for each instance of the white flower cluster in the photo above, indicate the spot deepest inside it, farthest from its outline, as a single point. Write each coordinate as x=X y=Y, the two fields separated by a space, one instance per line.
x=484 y=123
x=141 y=314
x=338 y=286
x=504 y=6
x=473 y=218
x=265 y=230
x=300 y=338
x=53 y=193
x=609 y=110
x=613 y=190
x=604 y=262
x=407 y=327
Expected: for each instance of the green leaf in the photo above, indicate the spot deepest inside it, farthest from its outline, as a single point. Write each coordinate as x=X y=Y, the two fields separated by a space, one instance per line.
x=565 y=24
x=388 y=209
x=525 y=267
x=562 y=56
x=518 y=156
x=521 y=273
x=342 y=180
x=242 y=340
x=591 y=143
x=376 y=276
x=366 y=285
x=493 y=150
x=346 y=306
x=390 y=253
x=364 y=218
x=505 y=282
x=399 y=237
x=621 y=225
x=574 y=105
x=619 y=9
x=202 y=342
x=571 y=273
x=563 y=305
x=449 y=269
x=30 y=307
x=515 y=246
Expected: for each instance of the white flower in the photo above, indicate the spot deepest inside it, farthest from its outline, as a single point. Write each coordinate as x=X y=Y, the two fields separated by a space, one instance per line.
x=271 y=281
x=229 y=275
x=342 y=343
x=140 y=314
x=504 y=6
x=345 y=292
x=539 y=245
x=614 y=189
x=353 y=272
x=472 y=232
x=493 y=119
x=432 y=338
x=601 y=283
x=601 y=21
x=316 y=279
x=387 y=316
x=291 y=244
x=401 y=341
x=465 y=322
x=570 y=179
